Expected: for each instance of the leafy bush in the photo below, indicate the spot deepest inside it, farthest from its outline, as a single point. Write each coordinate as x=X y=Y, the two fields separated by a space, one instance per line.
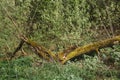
x=71 y=21
x=58 y=23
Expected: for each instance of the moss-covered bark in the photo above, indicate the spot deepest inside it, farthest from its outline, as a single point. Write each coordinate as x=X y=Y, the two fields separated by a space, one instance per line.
x=71 y=52
x=40 y=50
x=92 y=47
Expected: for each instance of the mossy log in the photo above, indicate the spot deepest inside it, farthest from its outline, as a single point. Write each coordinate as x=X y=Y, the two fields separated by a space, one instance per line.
x=91 y=47
x=71 y=52
x=61 y=55
x=40 y=50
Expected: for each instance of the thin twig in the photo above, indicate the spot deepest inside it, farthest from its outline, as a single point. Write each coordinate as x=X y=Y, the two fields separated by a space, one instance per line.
x=109 y=18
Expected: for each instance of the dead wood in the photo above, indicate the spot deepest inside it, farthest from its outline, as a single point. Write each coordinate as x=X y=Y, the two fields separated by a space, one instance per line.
x=17 y=49
x=92 y=47
x=40 y=50
x=61 y=55
x=69 y=53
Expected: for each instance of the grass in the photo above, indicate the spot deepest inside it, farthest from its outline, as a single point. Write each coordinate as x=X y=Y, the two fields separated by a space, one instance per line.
x=25 y=68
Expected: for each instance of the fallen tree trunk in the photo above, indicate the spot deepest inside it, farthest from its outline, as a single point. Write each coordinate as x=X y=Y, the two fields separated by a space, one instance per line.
x=71 y=52
x=40 y=50
x=91 y=47
x=62 y=55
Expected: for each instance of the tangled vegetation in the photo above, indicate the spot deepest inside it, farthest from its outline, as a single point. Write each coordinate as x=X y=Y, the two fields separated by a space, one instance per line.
x=57 y=25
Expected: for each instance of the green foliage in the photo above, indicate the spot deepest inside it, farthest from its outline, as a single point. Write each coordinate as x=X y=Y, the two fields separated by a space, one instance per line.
x=12 y=23
x=61 y=23
x=16 y=69
x=64 y=19
x=24 y=68
x=70 y=21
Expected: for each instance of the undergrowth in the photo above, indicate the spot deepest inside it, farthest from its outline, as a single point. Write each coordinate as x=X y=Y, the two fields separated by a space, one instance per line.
x=58 y=24
x=26 y=68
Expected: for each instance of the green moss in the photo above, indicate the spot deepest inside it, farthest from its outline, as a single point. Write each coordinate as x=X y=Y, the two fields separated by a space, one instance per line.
x=91 y=47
